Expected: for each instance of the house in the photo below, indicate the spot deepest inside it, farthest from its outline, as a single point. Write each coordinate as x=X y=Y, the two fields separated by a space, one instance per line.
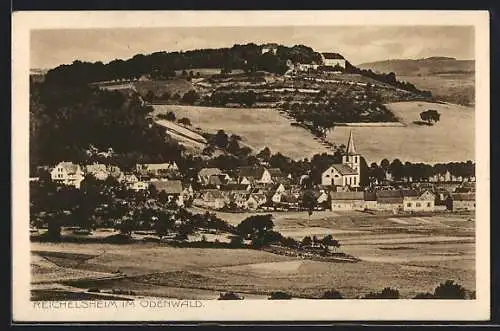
x=67 y=173
x=347 y=173
x=205 y=174
x=238 y=198
x=463 y=201
x=157 y=169
x=255 y=200
x=115 y=172
x=213 y=199
x=271 y=47
x=98 y=170
x=140 y=185
x=347 y=201
x=389 y=200
x=333 y=59
x=173 y=190
x=418 y=202
x=254 y=174
x=187 y=191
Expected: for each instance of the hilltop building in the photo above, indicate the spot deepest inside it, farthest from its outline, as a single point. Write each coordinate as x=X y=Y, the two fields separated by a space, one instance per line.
x=347 y=173
x=333 y=59
x=270 y=48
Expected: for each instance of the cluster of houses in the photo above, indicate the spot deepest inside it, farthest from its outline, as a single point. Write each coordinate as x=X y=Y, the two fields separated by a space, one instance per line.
x=263 y=188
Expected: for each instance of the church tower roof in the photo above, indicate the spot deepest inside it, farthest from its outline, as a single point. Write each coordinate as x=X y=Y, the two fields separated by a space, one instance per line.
x=351 y=150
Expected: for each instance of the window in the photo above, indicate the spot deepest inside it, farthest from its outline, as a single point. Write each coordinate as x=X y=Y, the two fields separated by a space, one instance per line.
x=428 y=204
x=355 y=159
x=354 y=180
x=417 y=204
x=408 y=204
x=327 y=176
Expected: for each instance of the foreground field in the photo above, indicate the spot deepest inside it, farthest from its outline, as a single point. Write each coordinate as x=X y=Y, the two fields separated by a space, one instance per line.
x=412 y=254
x=258 y=127
x=451 y=139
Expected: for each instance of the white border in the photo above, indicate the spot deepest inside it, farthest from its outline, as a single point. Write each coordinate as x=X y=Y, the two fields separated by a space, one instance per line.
x=287 y=310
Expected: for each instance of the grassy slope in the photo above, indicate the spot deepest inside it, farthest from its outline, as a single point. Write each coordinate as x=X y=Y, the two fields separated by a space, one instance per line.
x=451 y=139
x=258 y=128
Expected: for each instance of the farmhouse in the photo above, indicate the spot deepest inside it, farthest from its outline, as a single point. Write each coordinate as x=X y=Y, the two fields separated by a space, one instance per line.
x=347 y=200
x=67 y=173
x=415 y=202
x=172 y=188
x=347 y=173
x=389 y=200
x=213 y=199
x=254 y=174
x=333 y=59
x=463 y=201
x=157 y=169
x=205 y=173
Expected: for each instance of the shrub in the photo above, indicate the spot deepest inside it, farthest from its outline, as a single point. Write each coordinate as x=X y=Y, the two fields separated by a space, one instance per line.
x=332 y=294
x=449 y=290
x=280 y=296
x=386 y=293
x=229 y=296
x=236 y=241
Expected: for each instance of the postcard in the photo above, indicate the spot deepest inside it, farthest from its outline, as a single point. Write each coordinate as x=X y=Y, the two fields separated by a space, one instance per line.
x=250 y=166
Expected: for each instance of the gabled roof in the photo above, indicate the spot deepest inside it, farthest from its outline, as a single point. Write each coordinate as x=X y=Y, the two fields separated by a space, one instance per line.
x=347 y=195
x=70 y=167
x=93 y=168
x=169 y=186
x=344 y=169
x=333 y=56
x=216 y=194
x=409 y=193
x=207 y=172
x=251 y=172
x=233 y=187
x=463 y=196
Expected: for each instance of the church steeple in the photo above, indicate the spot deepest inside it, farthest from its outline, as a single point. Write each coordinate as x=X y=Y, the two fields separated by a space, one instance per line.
x=350 y=145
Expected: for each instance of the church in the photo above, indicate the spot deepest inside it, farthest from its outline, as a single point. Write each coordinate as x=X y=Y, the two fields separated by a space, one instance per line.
x=347 y=173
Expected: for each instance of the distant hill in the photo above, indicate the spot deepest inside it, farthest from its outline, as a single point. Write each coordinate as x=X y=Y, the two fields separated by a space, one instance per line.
x=422 y=67
x=448 y=79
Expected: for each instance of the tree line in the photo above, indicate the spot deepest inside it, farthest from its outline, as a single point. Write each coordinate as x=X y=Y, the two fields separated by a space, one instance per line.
x=248 y=57
x=66 y=120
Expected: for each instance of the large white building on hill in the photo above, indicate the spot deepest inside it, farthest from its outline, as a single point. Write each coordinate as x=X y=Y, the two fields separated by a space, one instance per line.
x=347 y=173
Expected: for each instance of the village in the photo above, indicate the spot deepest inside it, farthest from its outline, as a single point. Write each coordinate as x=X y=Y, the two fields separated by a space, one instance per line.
x=260 y=188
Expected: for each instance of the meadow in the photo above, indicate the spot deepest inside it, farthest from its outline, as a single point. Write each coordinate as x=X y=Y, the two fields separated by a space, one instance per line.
x=413 y=256
x=258 y=128
x=451 y=139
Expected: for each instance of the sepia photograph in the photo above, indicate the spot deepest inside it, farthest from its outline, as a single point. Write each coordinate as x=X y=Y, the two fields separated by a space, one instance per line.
x=169 y=167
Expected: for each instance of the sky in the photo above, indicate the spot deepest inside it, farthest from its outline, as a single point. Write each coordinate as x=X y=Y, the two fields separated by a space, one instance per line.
x=358 y=44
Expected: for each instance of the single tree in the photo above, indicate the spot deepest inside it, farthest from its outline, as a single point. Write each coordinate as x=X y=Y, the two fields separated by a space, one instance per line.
x=309 y=202
x=449 y=290
x=170 y=116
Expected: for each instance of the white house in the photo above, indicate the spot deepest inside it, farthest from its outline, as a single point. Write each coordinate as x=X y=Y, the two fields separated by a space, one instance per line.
x=333 y=59
x=67 y=173
x=272 y=47
x=419 y=202
x=98 y=170
x=346 y=173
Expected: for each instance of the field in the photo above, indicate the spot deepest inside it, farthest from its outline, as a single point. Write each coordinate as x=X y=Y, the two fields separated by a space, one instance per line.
x=451 y=139
x=258 y=127
x=454 y=88
x=412 y=254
